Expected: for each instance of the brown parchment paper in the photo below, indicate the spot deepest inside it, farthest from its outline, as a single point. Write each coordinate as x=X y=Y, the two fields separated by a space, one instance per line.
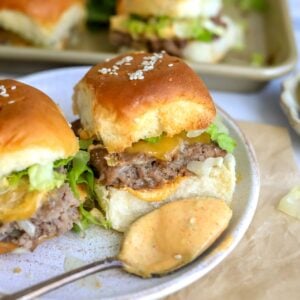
x=266 y=263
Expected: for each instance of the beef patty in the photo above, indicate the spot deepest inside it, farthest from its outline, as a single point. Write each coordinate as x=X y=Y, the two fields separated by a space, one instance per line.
x=172 y=46
x=55 y=217
x=139 y=171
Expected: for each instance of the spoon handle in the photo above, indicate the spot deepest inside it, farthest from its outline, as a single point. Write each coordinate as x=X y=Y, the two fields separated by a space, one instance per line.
x=63 y=279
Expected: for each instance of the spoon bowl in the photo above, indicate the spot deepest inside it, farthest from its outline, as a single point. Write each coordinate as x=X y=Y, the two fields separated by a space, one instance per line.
x=173 y=235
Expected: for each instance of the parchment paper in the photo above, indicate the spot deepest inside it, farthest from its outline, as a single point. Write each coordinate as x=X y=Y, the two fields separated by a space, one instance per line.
x=266 y=263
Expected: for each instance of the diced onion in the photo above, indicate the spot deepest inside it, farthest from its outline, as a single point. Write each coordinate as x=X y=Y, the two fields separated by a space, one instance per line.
x=95 y=212
x=28 y=227
x=21 y=250
x=290 y=204
x=203 y=168
x=194 y=133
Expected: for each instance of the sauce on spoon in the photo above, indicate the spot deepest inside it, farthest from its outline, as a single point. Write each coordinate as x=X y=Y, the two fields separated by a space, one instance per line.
x=173 y=235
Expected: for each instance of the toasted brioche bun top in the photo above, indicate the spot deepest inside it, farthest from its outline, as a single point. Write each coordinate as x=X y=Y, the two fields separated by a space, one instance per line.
x=48 y=11
x=170 y=8
x=32 y=128
x=121 y=109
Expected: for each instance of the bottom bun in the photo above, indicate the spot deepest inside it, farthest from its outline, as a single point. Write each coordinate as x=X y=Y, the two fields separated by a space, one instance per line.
x=7 y=247
x=215 y=178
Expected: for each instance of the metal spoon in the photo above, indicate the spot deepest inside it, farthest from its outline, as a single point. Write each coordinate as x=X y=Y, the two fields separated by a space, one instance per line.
x=157 y=243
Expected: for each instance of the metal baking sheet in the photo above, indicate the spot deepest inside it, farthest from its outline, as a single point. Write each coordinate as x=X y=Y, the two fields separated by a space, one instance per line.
x=269 y=33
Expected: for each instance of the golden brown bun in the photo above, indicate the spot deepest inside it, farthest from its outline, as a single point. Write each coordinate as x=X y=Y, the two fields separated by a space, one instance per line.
x=32 y=128
x=43 y=23
x=171 y=98
x=40 y=10
x=170 y=8
x=7 y=247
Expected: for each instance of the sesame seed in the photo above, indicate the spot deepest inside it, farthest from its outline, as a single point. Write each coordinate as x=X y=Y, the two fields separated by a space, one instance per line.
x=3 y=92
x=137 y=75
x=103 y=71
x=11 y=102
x=148 y=64
x=113 y=70
x=109 y=71
x=192 y=220
x=170 y=65
x=13 y=87
x=124 y=60
x=178 y=256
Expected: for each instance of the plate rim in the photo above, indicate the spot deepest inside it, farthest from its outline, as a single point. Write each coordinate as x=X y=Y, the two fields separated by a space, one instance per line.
x=189 y=277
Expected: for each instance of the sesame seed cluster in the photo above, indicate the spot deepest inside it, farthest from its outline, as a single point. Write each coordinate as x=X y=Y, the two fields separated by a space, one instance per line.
x=148 y=64
x=4 y=93
x=114 y=69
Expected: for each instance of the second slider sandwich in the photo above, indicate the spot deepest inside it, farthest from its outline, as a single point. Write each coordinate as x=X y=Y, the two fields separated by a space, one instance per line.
x=150 y=118
x=194 y=29
x=36 y=146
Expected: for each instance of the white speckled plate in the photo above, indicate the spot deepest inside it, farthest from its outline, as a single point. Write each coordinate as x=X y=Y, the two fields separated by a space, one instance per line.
x=18 y=271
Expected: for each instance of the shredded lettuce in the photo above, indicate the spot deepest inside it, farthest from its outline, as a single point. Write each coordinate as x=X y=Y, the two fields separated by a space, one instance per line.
x=84 y=144
x=92 y=217
x=80 y=172
x=62 y=162
x=15 y=178
x=41 y=177
x=91 y=211
x=221 y=138
x=44 y=178
x=198 y=32
x=153 y=140
x=160 y=26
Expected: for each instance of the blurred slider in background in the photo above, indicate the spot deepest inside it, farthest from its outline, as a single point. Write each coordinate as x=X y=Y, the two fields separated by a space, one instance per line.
x=183 y=28
x=43 y=23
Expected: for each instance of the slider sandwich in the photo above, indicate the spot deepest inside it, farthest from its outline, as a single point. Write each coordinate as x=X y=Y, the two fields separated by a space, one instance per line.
x=150 y=121
x=193 y=29
x=36 y=146
x=44 y=23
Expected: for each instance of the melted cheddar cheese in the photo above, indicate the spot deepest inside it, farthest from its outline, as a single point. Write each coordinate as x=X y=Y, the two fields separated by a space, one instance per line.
x=19 y=203
x=7 y=247
x=166 y=144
